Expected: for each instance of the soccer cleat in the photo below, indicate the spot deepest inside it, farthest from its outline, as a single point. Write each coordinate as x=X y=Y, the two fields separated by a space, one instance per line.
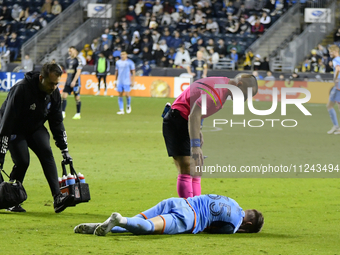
x=64 y=114
x=106 y=227
x=128 y=109
x=98 y=93
x=120 y=112
x=61 y=201
x=337 y=132
x=16 y=208
x=86 y=228
x=105 y=92
x=334 y=128
x=76 y=116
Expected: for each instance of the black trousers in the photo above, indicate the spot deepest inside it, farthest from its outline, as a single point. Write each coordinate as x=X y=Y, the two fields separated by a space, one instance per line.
x=39 y=143
x=99 y=77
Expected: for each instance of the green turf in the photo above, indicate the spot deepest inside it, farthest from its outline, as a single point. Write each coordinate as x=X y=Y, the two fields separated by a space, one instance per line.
x=124 y=161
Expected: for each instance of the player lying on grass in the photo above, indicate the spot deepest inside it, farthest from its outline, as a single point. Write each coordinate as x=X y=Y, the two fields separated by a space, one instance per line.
x=209 y=213
x=181 y=125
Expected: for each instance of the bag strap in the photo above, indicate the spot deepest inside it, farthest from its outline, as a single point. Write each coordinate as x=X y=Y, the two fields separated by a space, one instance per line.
x=72 y=170
x=1 y=177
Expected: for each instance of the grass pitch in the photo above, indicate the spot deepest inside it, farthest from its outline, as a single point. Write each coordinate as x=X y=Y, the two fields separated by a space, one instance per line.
x=124 y=160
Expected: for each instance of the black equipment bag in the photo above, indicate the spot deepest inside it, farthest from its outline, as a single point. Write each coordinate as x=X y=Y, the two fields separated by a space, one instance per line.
x=11 y=193
x=80 y=192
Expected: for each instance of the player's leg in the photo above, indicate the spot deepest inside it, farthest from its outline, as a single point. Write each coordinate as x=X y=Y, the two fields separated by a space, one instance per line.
x=120 y=89
x=127 y=90
x=99 y=77
x=64 y=95
x=39 y=143
x=337 y=132
x=104 y=79
x=20 y=155
x=78 y=102
x=331 y=110
x=177 y=140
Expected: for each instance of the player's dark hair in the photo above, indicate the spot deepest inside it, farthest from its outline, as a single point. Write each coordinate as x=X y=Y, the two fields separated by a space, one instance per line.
x=257 y=221
x=51 y=68
x=73 y=47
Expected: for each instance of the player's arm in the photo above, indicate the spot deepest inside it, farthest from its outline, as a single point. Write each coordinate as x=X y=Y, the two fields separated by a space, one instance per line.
x=337 y=71
x=76 y=77
x=116 y=77
x=133 y=74
x=194 y=125
x=189 y=71
x=11 y=113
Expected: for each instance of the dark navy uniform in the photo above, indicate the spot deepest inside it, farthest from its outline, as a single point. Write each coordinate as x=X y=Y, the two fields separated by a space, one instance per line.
x=72 y=65
x=197 y=67
x=22 y=118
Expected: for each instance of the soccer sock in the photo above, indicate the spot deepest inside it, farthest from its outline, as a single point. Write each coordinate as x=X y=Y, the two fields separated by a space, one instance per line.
x=139 y=226
x=128 y=101
x=63 y=104
x=184 y=185
x=78 y=106
x=332 y=114
x=120 y=103
x=196 y=186
x=118 y=230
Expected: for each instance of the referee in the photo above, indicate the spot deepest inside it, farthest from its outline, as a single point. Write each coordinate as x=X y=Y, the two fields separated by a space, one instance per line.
x=29 y=104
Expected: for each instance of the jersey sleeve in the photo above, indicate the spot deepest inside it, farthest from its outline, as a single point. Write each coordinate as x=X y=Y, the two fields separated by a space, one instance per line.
x=55 y=121
x=80 y=64
x=132 y=65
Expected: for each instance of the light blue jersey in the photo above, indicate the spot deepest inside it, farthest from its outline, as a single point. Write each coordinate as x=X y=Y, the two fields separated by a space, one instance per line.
x=124 y=69
x=336 y=62
x=218 y=212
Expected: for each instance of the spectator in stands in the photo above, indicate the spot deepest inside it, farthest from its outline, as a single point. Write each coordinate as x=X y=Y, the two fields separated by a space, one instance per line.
x=163 y=46
x=56 y=8
x=269 y=76
x=107 y=51
x=171 y=57
x=27 y=64
x=336 y=36
x=13 y=45
x=321 y=66
x=187 y=8
x=265 y=64
x=257 y=62
x=24 y=14
x=265 y=20
x=15 y=13
x=243 y=26
x=5 y=13
x=104 y=42
x=157 y=7
x=115 y=29
x=147 y=55
x=194 y=38
x=234 y=57
x=46 y=8
x=230 y=8
x=205 y=53
x=322 y=51
x=153 y=23
x=258 y=28
x=306 y=66
x=252 y=19
x=145 y=20
x=207 y=10
x=95 y=45
x=158 y=54
x=212 y=27
x=139 y=7
x=39 y=23
x=220 y=48
x=182 y=25
x=30 y=20
x=87 y=53
x=329 y=67
x=167 y=37
x=231 y=25
x=314 y=60
x=213 y=58
x=146 y=68
x=281 y=77
x=199 y=16
x=241 y=12
x=182 y=54
x=166 y=19
x=196 y=46
x=211 y=44
x=176 y=40
x=4 y=51
x=257 y=76
x=167 y=7
x=131 y=15
x=249 y=56
x=234 y=44
x=146 y=43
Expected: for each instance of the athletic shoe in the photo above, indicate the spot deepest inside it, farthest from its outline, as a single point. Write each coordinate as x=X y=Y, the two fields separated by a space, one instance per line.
x=334 y=128
x=16 y=208
x=76 y=116
x=106 y=227
x=86 y=228
x=120 y=112
x=105 y=92
x=98 y=93
x=337 y=132
x=61 y=201
x=128 y=109
x=64 y=114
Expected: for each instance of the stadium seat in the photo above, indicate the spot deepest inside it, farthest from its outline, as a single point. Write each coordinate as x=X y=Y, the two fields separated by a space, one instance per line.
x=22 y=31
x=37 y=3
x=30 y=32
x=9 y=3
x=49 y=17
x=66 y=3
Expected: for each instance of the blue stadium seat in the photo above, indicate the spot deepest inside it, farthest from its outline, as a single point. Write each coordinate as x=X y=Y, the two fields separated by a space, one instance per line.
x=22 y=31
x=30 y=32
x=22 y=39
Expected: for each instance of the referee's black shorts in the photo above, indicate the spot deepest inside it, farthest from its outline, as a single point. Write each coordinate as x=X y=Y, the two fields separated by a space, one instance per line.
x=176 y=134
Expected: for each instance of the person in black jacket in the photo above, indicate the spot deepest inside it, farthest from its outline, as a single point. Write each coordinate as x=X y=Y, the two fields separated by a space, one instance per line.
x=29 y=104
